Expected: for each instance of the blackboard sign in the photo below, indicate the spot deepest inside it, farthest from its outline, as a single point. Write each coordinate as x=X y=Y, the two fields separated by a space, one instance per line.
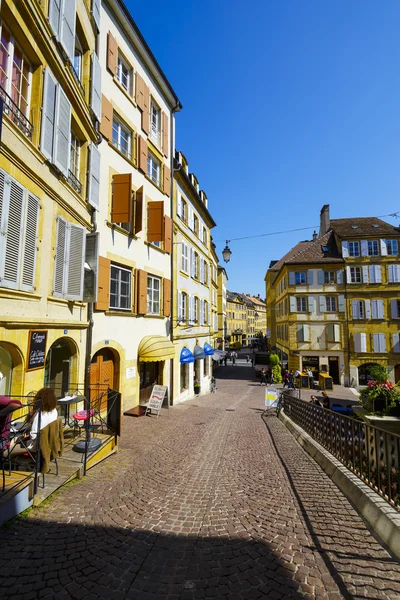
x=36 y=350
x=305 y=381
x=328 y=383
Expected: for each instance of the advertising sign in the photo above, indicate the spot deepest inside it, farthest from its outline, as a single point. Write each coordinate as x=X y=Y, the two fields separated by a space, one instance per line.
x=36 y=350
x=271 y=397
x=156 y=398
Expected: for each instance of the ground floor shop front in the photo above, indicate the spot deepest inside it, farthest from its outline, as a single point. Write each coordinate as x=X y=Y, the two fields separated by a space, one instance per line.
x=193 y=367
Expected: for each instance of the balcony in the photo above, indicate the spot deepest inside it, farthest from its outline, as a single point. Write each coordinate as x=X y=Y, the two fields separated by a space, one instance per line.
x=15 y=114
x=74 y=182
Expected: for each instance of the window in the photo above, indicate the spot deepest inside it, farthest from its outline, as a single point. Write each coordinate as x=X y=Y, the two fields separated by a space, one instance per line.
x=74 y=156
x=196 y=224
x=205 y=237
x=373 y=248
x=205 y=313
x=122 y=137
x=153 y=168
x=355 y=274
x=185 y=261
x=182 y=306
x=196 y=265
x=184 y=377
x=379 y=342
x=329 y=277
x=354 y=248
x=330 y=303
x=15 y=72
x=155 y=123
x=196 y=310
x=153 y=295
x=205 y=279
x=300 y=278
x=358 y=309
x=182 y=209
x=394 y=273
x=120 y=288
x=301 y=304
x=391 y=247
x=78 y=55
x=124 y=74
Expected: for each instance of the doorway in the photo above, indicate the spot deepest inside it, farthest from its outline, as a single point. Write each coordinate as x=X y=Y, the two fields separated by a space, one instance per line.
x=334 y=369
x=57 y=374
x=102 y=375
x=397 y=374
x=6 y=367
x=150 y=373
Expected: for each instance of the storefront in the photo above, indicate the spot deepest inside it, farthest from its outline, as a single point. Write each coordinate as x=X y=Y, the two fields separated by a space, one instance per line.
x=186 y=359
x=153 y=353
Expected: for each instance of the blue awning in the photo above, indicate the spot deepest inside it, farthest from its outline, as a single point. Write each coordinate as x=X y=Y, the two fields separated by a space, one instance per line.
x=186 y=356
x=198 y=353
x=208 y=350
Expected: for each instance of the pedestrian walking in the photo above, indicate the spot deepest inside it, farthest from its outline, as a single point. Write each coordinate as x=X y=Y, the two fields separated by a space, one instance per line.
x=213 y=385
x=290 y=380
x=263 y=377
x=247 y=358
x=225 y=359
x=286 y=378
x=234 y=359
x=311 y=377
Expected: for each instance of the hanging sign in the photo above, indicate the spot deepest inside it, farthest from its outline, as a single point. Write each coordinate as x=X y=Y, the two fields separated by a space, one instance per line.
x=36 y=350
x=271 y=397
x=156 y=398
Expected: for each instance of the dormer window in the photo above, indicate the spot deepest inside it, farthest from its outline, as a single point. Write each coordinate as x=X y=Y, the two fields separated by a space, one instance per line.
x=325 y=249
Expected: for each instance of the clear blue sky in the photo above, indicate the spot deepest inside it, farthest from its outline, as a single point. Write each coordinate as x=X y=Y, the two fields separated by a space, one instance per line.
x=287 y=105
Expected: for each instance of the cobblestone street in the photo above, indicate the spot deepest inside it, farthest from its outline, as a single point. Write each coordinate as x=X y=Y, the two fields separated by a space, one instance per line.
x=209 y=502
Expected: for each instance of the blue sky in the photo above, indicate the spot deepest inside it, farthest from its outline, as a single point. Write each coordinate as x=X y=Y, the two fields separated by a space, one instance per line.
x=287 y=105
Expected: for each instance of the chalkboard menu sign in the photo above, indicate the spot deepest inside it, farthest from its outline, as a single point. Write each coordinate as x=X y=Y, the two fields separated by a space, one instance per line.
x=305 y=381
x=36 y=350
x=328 y=383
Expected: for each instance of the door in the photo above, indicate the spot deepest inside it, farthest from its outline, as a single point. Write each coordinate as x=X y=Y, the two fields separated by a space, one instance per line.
x=397 y=374
x=102 y=375
x=334 y=369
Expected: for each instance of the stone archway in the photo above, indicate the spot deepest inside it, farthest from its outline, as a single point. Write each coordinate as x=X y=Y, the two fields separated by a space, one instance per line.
x=104 y=373
x=12 y=369
x=59 y=367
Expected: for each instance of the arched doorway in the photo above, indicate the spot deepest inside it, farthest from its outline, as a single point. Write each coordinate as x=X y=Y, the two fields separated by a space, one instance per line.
x=363 y=373
x=103 y=373
x=58 y=367
x=397 y=374
x=6 y=369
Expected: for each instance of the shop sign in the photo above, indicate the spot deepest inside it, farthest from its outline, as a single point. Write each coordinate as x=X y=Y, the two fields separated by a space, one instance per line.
x=130 y=372
x=157 y=398
x=36 y=350
x=271 y=397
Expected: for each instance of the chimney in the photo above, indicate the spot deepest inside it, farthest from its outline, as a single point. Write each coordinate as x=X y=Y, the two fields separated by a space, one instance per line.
x=314 y=236
x=324 y=220
x=258 y=295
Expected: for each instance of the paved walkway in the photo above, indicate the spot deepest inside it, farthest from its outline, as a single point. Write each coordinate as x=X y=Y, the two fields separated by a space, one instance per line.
x=210 y=502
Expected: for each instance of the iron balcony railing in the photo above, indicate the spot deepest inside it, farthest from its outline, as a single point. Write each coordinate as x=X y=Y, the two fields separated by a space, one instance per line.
x=74 y=182
x=15 y=114
x=370 y=453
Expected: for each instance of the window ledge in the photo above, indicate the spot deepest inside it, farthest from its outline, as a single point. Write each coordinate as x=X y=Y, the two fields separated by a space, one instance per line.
x=151 y=245
x=124 y=91
x=116 y=227
x=149 y=316
x=184 y=274
x=155 y=184
x=119 y=313
x=7 y=292
x=64 y=301
x=132 y=162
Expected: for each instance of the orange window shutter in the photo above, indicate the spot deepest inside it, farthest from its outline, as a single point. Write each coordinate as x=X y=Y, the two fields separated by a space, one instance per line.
x=121 y=210
x=112 y=53
x=168 y=234
x=141 y=279
x=155 y=221
x=165 y=134
x=103 y=284
x=146 y=109
x=142 y=154
x=139 y=91
x=106 y=118
x=138 y=210
x=167 y=298
x=166 y=181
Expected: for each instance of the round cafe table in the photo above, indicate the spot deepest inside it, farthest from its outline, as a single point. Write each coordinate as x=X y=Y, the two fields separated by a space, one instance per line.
x=67 y=401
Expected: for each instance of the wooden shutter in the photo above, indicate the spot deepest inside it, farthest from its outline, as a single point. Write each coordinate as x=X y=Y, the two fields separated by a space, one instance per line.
x=106 y=118
x=155 y=221
x=138 y=210
x=168 y=234
x=383 y=247
x=96 y=13
x=321 y=278
x=165 y=134
x=139 y=91
x=365 y=277
x=141 y=279
x=341 y=303
x=90 y=276
x=94 y=177
x=62 y=132
x=322 y=304
x=76 y=261
x=367 y=308
x=167 y=297
x=48 y=115
x=311 y=304
x=292 y=279
x=67 y=30
x=364 y=248
x=146 y=109
x=122 y=206
x=103 y=287
x=394 y=309
x=396 y=342
x=13 y=244
x=348 y=275
x=166 y=181
x=293 y=304
x=112 y=53
x=30 y=243
x=55 y=16
x=60 y=257
x=95 y=88
x=310 y=277
x=142 y=154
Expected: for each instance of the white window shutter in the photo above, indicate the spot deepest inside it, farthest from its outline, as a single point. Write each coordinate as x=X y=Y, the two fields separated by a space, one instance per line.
x=55 y=7
x=67 y=29
x=76 y=261
x=95 y=91
x=62 y=132
x=341 y=303
x=367 y=305
x=179 y=205
x=3 y=223
x=396 y=273
x=321 y=278
x=322 y=304
x=201 y=312
x=300 y=333
x=394 y=309
x=365 y=274
x=48 y=115
x=306 y=333
x=363 y=342
x=293 y=304
x=372 y=274
x=30 y=243
x=62 y=237
x=310 y=277
x=191 y=218
x=292 y=278
x=311 y=304
x=14 y=207
x=96 y=13
x=348 y=275
x=179 y=306
x=375 y=337
x=336 y=332
x=396 y=342
x=390 y=273
x=339 y=276
x=374 y=307
x=355 y=312
x=383 y=247
x=357 y=342
x=381 y=309
x=345 y=249
x=378 y=274
x=94 y=177
x=364 y=248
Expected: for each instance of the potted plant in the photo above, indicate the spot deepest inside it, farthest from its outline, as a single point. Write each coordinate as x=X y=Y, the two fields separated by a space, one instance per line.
x=380 y=401
x=274 y=362
x=196 y=387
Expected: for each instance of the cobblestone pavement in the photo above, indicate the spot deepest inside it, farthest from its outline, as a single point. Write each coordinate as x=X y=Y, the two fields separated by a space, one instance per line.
x=210 y=502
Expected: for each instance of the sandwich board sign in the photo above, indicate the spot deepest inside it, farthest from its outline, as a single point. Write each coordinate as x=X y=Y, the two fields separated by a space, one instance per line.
x=156 y=398
x=271 y=397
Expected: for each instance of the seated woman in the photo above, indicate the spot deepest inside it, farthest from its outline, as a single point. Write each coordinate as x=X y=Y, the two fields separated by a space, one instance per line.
x=7 y=406
x=48 y=413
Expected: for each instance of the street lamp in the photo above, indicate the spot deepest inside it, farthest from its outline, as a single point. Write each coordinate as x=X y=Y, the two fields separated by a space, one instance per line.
x=226 y=252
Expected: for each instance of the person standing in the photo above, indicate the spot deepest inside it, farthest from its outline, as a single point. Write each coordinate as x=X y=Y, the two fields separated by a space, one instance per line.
x=263 y=377
x=234 y=359
x=311 y=377
x=290 y=380
x=286 y=379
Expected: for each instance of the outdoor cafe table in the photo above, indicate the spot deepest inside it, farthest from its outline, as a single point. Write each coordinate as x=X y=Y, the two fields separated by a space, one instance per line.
x=67 y=401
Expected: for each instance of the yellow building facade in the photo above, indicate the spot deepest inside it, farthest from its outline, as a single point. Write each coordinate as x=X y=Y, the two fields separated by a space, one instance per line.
x=236 y=318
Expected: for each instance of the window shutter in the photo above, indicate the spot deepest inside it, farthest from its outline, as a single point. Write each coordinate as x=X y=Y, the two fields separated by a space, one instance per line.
x=336 y=332
x=311 y=304
x=192 y=263
x=367 y=306
x=179 y=307
x=139 y=91
x=95 y=90
x=30 y=243
x=391 y=273
x=365 y=274
x=67 y=33
x=167 y=234
x=355 y=311
x=310 y=277
x=383 y=247
x=94 y=177
x=55 y=16
x=76 y=261
x=378 y=274
x=112 y=53
x=363 y=342
x=146 y=109
x=364 y=248
x=394 y=309
x=90 y=277
x=13 y=242
x=293 y=306
x=141 y=292
x=339 y=277
x=396 y=342
x=191 y=218
x=122 y=206
x=292 y=278
x=202 y=312
x=380 y=309
x=167 y=297
x=138 y=210
x=322 y=304
x=321 y=278
x=96 y=13
x=142 y=153
x=372 y=273
x=48 y=115
x=155 y=221
x=379 y=342
x=62 y=132
x=348 y=275
x=165 y=134
x=166 y=180
x=357 y=342
x=345 y=249
x=179 y=205
x=341 y=303
x=330 y=333
x=60 y=257
x=106 y=118
x=300 y=333
x=103 y=287
x=306 y=333
x=374 y=307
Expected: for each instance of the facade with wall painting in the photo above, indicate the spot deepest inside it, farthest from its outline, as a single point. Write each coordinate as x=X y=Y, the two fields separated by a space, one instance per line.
x=132 y=317
x=50 y=87
x=195 y=285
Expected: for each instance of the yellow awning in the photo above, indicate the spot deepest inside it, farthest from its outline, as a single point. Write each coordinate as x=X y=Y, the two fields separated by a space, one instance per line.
x=155 y=347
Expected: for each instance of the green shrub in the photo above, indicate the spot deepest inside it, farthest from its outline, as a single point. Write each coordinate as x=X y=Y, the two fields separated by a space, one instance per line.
x=378 y=373
x=274 y=360
x=276 y=370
